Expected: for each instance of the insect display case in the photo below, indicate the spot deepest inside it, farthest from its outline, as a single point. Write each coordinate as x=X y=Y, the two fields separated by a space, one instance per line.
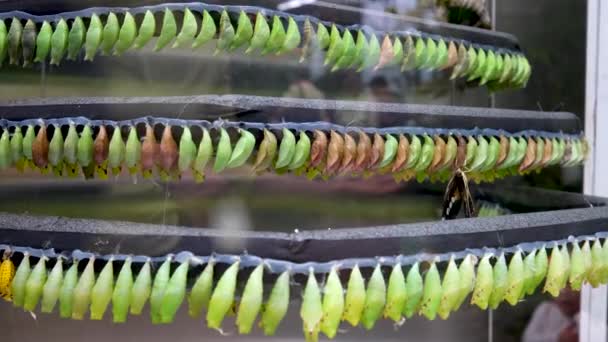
x=302 y=193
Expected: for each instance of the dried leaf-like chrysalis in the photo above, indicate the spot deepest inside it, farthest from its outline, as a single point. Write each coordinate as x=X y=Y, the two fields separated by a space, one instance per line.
x=28 y=42
x=266 y=152
x=168 y=151
x=116 y=151
x=101 y=294
x=93 y=37
x=481 y=154
x=287 y=149
x=390 y=151
x=539 y=155
x=501 y=282
x=121 y=295
x=168 y=30
x=503 y=151
x=59 y=42
x=201 y=291
x=146 y=30
x=126 y=35
x=402 y=154
x=466 y=271
x=364 y=148
x=515 y=282
x=335 y=150
x=461 y=67
x=52 y=287
x=432 y=293
x=452 y=57
x=132 y=151
x=150 y=152
x=277 y=304
x=261 y=32
x=15 y=33
x=204 y=153
x=547 y=153
x=409 y=54
x=189 y=30
x=292 y=36
x=222 y=297
x=333 y=304
x=251 y=300
x=101 y=151
x=174 y=293
x=311 y=311
x=414 y=289
x=377 y=151
x=40 y=148
x=67 y=290
x=577 y=271
x=530 y=155
x=277 y=36
x=375 y=299
x=142 y=288
x=336 y=46
x=450 y=290
x=302 y=152
x=76 y=38
x=438 y=154
x=85 y=147
x=82 y=291
x=349 y=52
x=318 y=150
x=373 y=54
x=554 y=272
x=208 y=30
x=34 y=284
x=355 y=297
x=386 y=53
x=310 y=40
x=484 y=283
x=426 y=154
x=161 y=279
x=109 y=34
x=244 y=31
x=414 y=152
x=350 y=154
x=396 y=294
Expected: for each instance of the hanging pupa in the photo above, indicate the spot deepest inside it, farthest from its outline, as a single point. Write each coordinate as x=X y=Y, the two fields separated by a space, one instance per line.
x=142 y=288
x=81 y=298
x=554 y=272
x=19 y=281
x=354 y=301
x=201 y=291
x=450 y=292
x=251 y=300
x=276 y=307
x=66 y=298
x=161 y=279
x=484 y=283
x=101 y=151
x=121 y=296
x=515 y=279
x=222 y=297
x=311 y=311
x=396 y=294
x=52 y=287
x=174 y=293
x=431 y=297
x=333 y=304
x=101 y=294
x=34 y=285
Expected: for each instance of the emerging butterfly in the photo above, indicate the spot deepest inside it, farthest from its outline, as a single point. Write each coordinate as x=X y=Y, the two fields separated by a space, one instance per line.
x=457 y=193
